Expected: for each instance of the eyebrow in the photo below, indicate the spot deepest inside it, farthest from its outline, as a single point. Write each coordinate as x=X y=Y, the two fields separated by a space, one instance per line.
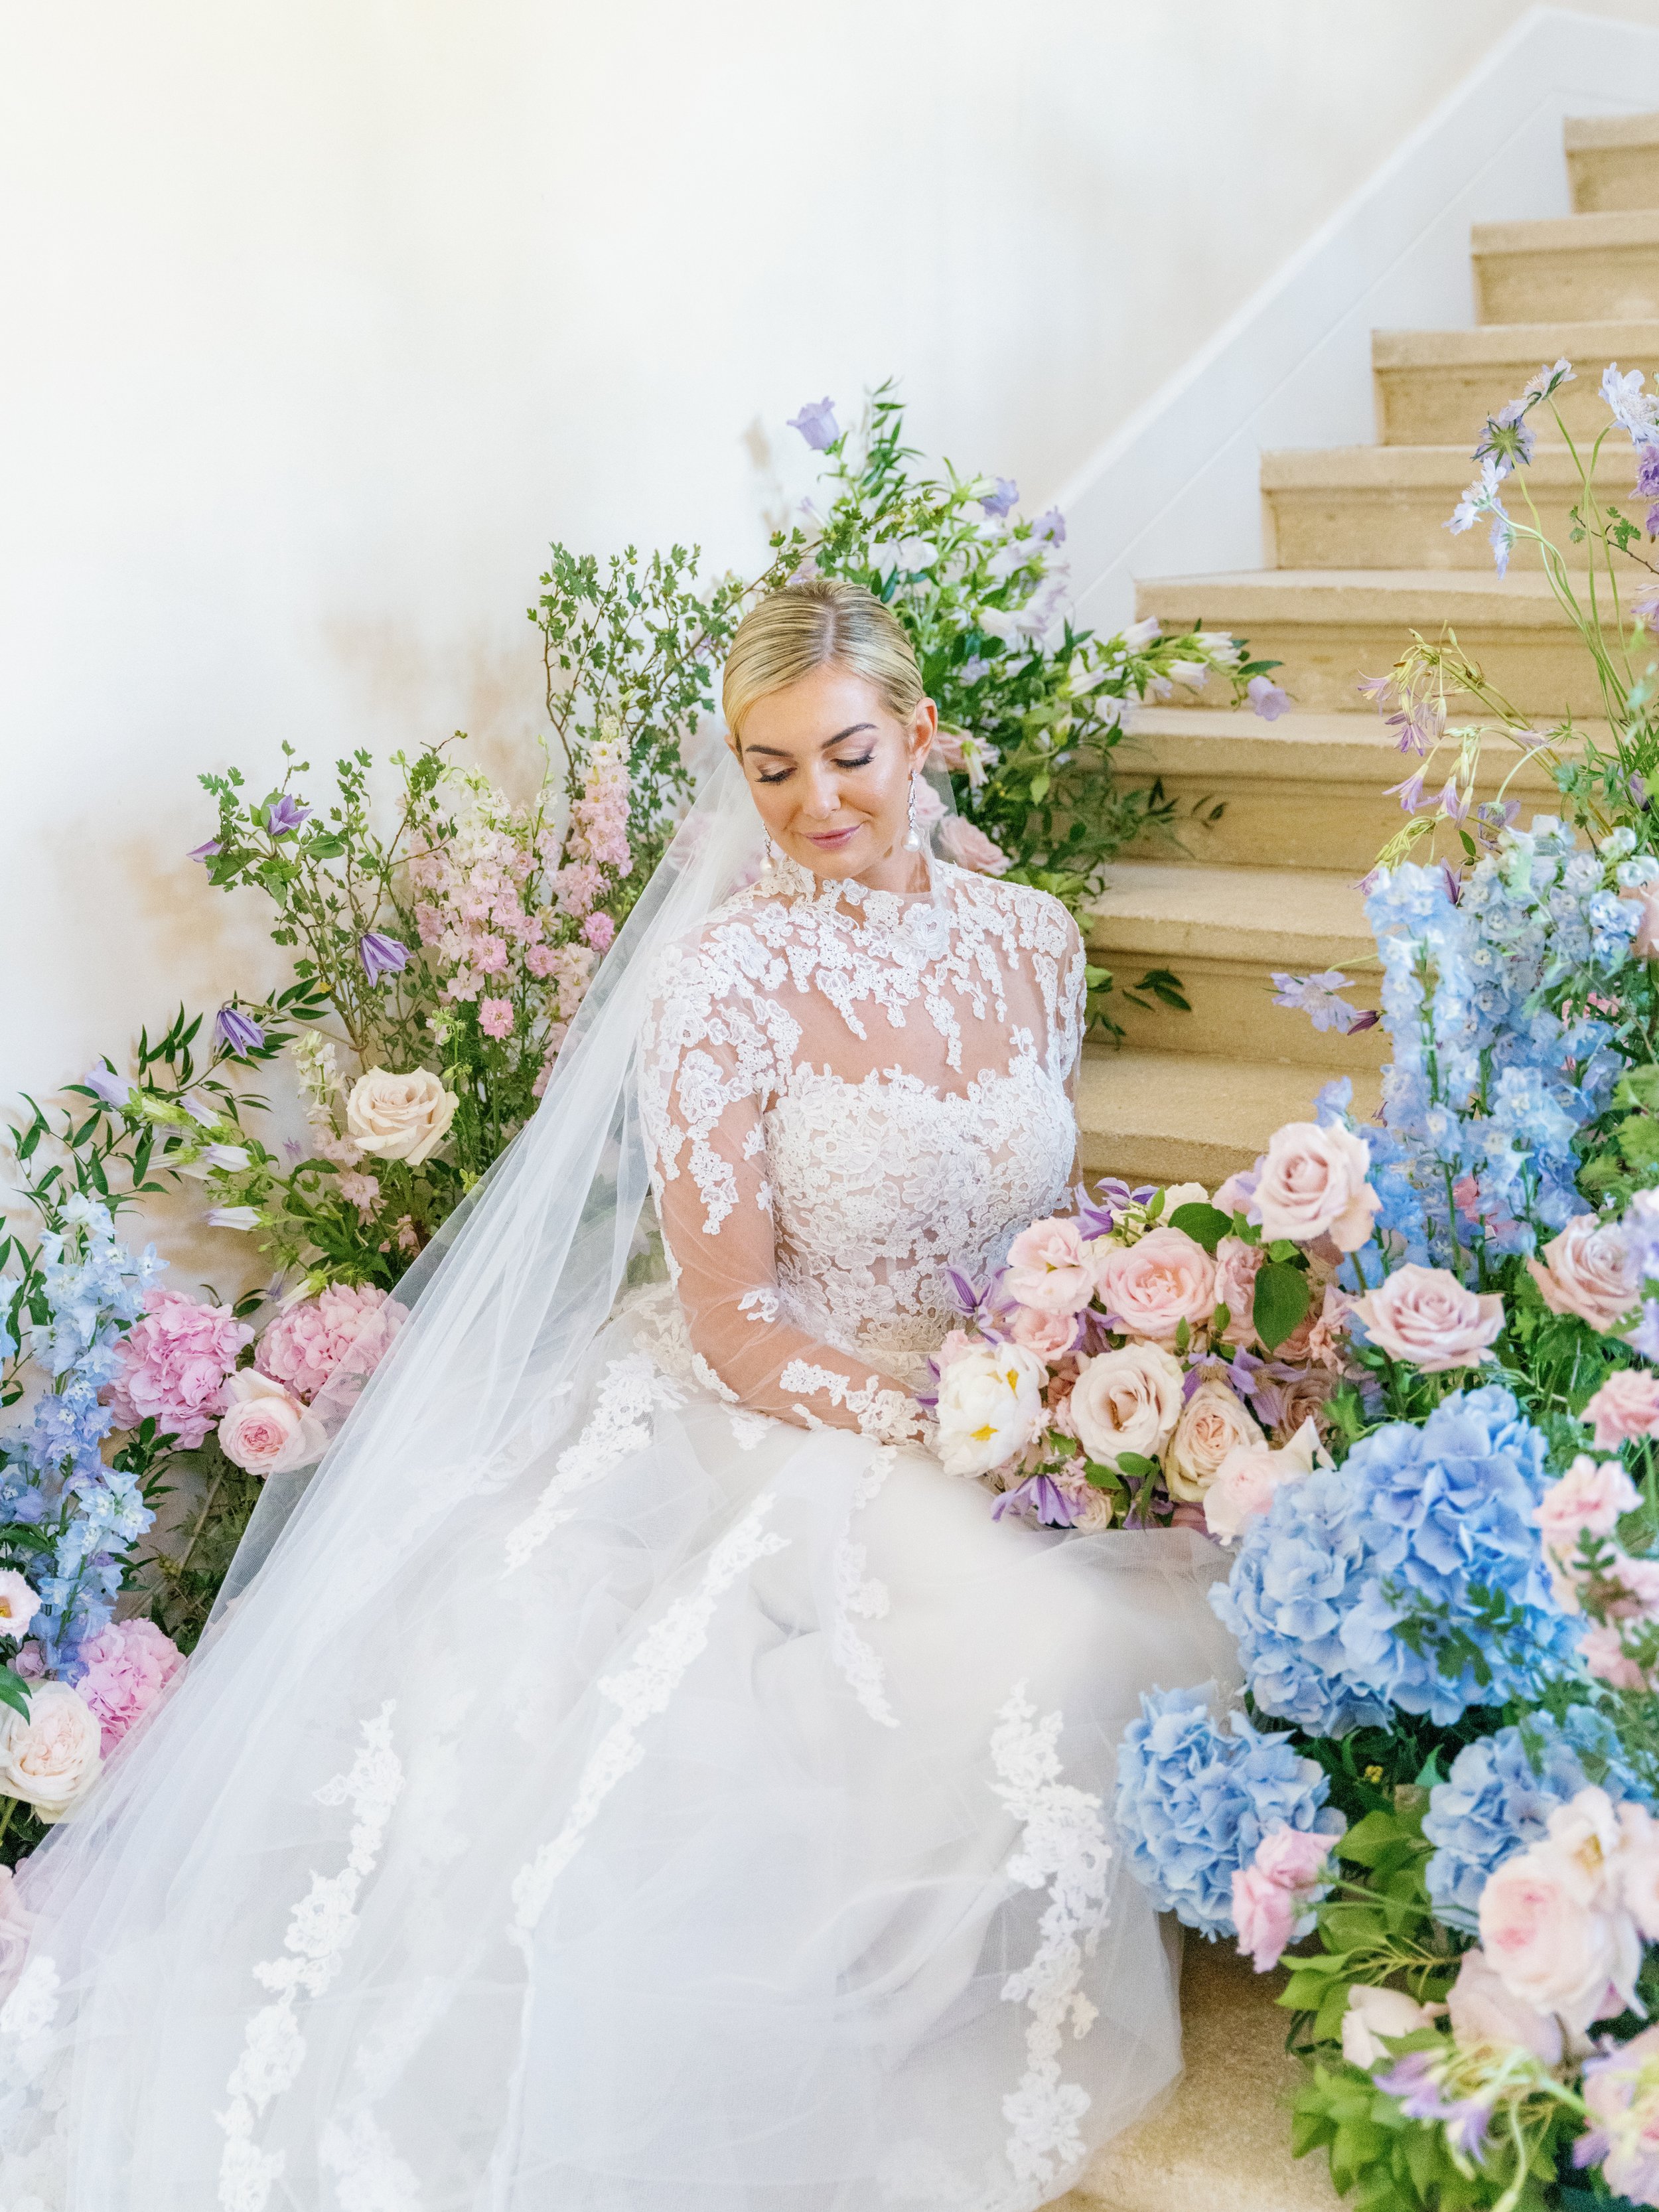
x=777 y=752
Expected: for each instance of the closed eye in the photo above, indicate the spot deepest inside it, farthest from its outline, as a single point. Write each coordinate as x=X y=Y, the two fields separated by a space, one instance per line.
x=783 y=774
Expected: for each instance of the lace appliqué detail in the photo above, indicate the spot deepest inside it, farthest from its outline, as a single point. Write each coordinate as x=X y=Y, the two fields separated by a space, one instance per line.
x=750 y=1429
x=319 y=1929
x=1062 y=1848
x=889 y=1416
x=633 y=1388
x=643 y=1687
x=368 y=2175
x=857 y=1593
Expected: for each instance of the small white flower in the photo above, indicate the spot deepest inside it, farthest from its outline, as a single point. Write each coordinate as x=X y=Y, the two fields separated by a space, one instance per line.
x=234 y=1217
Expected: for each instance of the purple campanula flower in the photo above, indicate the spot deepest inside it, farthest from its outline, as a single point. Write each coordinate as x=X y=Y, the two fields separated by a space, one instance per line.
x=1411 y=792
x=1266 y=699
x=198 y=1108
x=1051 y=525
x=1002 y=496
x=239 y=1032
x=114 y=1090
x=1638 y=787
x=381 y=956
x=817 y=424
x=204 y=852
x=1647 y=472
x=284 y=817
x=1038 y=1494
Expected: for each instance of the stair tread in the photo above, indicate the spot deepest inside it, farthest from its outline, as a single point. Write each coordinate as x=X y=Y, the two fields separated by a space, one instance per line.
x=1568 y=233
x=1344 y=749
x=1401 y=599
x=1343 y=468
x=1267 y=916
x=1523 y=345
x=1591 y=134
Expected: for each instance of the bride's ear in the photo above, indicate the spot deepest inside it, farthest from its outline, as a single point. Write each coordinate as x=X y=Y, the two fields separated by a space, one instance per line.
x=924 y=728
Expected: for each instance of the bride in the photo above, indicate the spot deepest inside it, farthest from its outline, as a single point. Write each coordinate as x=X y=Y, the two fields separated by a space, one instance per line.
x=637 y=1777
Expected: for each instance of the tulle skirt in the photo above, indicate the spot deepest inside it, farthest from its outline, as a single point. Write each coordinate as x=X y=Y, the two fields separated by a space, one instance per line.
x=719 y=1823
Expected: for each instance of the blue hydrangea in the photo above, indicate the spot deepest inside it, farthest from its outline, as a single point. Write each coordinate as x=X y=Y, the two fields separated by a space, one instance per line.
x=1403 y=1534
x=1193 y=1803
x=1500 y=1793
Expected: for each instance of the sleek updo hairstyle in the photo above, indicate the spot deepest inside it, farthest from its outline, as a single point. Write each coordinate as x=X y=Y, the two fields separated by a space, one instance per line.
x=804 y=626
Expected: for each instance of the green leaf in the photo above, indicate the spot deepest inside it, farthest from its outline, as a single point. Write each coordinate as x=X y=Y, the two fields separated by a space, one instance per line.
x=1367 y=1840
x=1206 y=1224
x=1281 y=1301
x=13 y=1692
x=1135 y=1464
x=1638 y=1140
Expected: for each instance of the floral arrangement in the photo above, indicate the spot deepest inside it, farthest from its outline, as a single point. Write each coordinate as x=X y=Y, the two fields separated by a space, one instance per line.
x=1444 y=1781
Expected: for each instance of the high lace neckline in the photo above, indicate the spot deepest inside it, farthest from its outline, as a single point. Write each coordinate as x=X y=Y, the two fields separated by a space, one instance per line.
x=834 y=895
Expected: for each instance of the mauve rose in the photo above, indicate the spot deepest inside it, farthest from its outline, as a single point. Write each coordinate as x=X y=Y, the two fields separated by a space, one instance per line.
x=1264 y=1914
x=960 y=841
x=1312 y=1183
x=1154 y=1285
x=399 y=1117
x=1050 y=1335
x=1297 y=1401
x=1050 y=1267
x=1486 y=2015
x=1247 y=1478
x=1373 y=2014
x=1586 y=1271
x=51 y=1759
x=265 y=1430
x=1624 y=1408
x=1236 y=1266
x=1424 y=1316
x=1126 y=1400
x=1552 y=1946
x=1213 y=1422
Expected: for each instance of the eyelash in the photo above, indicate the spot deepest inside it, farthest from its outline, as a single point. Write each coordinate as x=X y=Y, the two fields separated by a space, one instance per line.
x=784 y=774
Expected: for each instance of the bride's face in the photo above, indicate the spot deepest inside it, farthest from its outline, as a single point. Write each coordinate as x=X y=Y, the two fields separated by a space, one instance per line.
x=828 y=767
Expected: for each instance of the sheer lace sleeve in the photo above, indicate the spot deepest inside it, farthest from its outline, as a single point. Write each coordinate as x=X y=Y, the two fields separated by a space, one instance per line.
x=715 y=1051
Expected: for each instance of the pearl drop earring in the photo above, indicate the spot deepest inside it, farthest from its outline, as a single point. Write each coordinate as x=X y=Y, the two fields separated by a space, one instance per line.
x=768 y=865
x=915 y=842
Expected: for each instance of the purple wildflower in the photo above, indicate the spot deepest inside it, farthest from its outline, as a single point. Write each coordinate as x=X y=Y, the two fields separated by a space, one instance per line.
x=205 y=852
x=1411 y=792
x=1638 y=787
x=239 y=1032
x=817 y=424
x=1647 y=472
x=1051 y=525
x=284 y=817
x=381 y=956
x=1454 y=802
x=114 y=1090
x=1003 y=494
x=1412 y=2081
x=1266 y=699
x=1038 y=1494
x=1454 y=885
x=1315 y=996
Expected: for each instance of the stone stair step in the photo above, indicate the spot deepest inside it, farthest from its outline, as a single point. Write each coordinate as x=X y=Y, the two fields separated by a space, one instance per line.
x=1579 y=267
x=1168 y=1117
x=1438 y=388
x=1308 y=791
x=1387 y=507
x=1612 y=161
x=1225 y=931
x=1328 y=627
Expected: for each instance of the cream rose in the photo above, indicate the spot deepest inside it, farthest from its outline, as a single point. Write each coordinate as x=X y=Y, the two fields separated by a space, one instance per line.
x=264 y=1429
x=990 y=1408
x=1424 y=1316
x=1586 y=1271
x=1126 y=1400
x=399 y=1117
x=1213 y=1422
x=1154 y=1285
x=1247 y=1478
x=51 y=1759
x=1311 y=1183
x=1182 y=1194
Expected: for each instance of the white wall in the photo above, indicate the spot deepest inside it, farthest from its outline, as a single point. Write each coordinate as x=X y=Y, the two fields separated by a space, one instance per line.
x=322 y=317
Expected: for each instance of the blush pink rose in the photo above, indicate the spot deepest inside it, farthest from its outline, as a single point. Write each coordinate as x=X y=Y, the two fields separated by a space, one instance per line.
x=1426 y=1316
x=1624 y=1408
x=1264 y=1914
x=1152 y=1286
x=1593 y=1494
x=960 y=841
x=174 y=1362
x=1049 y=1266
x=1214 y=1423
x=1236 y=1266
x=1549 y=1944
x=1484 y=2015
x=1295 y=1857
x=1586 y=1270
x=1050 y=1335
x=1248 y=1478
x=342 y=1327
x=1311 y=1183
x=265 y=1430
x=129 y=1663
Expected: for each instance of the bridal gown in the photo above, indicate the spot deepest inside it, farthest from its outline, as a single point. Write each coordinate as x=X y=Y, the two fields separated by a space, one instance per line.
x=724 y=1823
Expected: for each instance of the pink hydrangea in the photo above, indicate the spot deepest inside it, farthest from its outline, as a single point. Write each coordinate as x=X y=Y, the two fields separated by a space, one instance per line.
x=129 y=1663
x=174 y=1360
x=304 y=1346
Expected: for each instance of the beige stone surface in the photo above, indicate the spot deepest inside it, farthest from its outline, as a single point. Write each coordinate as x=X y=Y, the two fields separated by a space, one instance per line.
x=1437 y=387
x=1157 y=1117
x=1612 y=161
x=1578 y=267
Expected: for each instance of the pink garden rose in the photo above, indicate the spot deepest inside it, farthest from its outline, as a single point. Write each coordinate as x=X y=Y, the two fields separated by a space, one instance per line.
x=1270 y=1895
x=1154 y=1285
x=304 y=1346
x=1426 y=1316
x=51 y=1759
x=1050 y=1267
x=1554 y=1928
x=265 y=1430
x=1126 y=1400
x=1586 y=1271
x=1624 y=1408
x=19 y=1604
x=1214 y=1423
x=174 y=1362
x=1247 y=1479
x=969 y=847
x=1486 y=2015
x=1236 y=1266
x=1311 y=1183
x=1593 y=1494
x=129 y=1663
x=1050 y=1335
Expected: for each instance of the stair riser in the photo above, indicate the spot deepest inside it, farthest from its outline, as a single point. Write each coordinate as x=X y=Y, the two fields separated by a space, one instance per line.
x=1150 y=1158
x=1233 y=1015
x=1611 y=178
x=1293 y=825
x=1588 y=284
x=1407 y=529
x=1446 y=405
x=1545 y=675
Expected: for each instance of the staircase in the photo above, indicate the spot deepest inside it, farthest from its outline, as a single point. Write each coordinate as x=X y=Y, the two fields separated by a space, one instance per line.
x=1360 y=557
x=1276 y=822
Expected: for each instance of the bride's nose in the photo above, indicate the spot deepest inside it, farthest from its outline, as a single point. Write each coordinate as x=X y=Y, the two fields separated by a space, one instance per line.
x=822 y=796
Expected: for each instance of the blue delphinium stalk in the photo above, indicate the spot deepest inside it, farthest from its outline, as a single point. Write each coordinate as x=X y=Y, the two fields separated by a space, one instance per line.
x=1500 y=1793
x=1193 y=1803
x=1411 y=1577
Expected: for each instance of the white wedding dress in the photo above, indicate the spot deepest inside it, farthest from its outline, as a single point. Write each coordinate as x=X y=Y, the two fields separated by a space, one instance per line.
x=691 y=1800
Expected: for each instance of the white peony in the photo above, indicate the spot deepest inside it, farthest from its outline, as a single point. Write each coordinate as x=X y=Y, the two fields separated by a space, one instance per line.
x=990 y=1406
x=399 y=1117
x=51 y=1759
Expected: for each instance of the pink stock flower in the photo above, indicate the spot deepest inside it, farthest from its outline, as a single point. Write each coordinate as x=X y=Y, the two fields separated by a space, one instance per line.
x=1236 y=1266
x=967 y=846
x=174 y=1362
x=1603 y=1654
x=19 y=1604
x=1050 y=1335
x=341 y=1326
x=1311 y=1183
x=542 y=961
x=1426 y=1316
x=1271 y=1896
x=599 y=931
x=1050 y=1267
x=1586 y=1271
x=1624 y=1408
x=495 y=1017
x=129 y=1663
x=1153 y=1286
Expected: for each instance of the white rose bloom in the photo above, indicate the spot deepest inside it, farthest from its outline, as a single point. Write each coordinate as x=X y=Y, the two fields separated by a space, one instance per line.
x=1127 y=1400
x=399 y=1117
x=1183 y=1194
x=990 y=1406
x=51 y=1759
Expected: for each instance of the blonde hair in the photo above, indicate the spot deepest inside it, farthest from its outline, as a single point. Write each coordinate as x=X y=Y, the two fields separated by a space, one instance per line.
x=804 y=626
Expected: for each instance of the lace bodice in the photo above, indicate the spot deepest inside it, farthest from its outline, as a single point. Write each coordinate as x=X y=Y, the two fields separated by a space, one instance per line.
x=846 y=1093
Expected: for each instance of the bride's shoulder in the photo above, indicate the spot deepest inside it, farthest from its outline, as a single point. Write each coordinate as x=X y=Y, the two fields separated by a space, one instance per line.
x=738 y=938
x=1033 y=917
